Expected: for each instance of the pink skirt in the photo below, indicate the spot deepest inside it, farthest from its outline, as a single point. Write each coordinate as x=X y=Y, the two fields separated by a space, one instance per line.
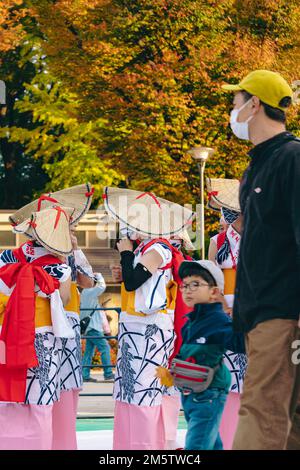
x=138 y=427
x=40 y=427
x=64 y=421
x=146 y=427
x=230 y=419
x=25 y=427
x=170 y=410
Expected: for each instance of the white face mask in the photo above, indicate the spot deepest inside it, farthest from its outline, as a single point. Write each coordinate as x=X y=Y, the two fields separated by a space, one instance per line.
x=240 y=129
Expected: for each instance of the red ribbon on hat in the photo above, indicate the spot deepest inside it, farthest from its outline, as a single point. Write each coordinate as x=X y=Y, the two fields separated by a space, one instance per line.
x=88 y=194
x=44 y=197
x=151 y=195
x=59 y=212
x=31 y=223
x=212 y=193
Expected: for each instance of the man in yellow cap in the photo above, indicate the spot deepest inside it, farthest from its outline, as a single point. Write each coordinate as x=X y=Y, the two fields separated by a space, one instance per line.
x=267 y=298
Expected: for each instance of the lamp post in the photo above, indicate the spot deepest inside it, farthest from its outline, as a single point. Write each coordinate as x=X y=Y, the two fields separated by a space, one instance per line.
x=201 y=155
x=2 y=98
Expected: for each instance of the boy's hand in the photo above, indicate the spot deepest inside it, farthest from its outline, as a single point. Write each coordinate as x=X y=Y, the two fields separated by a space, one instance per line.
x=228 y=311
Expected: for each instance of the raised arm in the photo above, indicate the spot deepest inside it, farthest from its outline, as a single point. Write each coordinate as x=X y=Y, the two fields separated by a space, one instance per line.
x=135 y=277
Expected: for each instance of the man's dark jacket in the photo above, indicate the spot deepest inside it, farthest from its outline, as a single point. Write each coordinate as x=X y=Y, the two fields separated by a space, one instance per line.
x=268 y=275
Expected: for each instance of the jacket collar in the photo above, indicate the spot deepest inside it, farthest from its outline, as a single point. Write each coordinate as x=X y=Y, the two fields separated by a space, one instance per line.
x=204 y=309
x=270 y=144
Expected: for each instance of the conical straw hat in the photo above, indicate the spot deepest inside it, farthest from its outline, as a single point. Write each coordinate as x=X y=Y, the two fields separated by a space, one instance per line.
x=223 y=192
x=24 y=228
x=51 y=228
x=187 y=242
x=145 y=213
x=79 y=197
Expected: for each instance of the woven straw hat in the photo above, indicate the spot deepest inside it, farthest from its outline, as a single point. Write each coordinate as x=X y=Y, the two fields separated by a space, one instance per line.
x=79 y=197
x=223 y=192
x=145 y=213
x=51 y=228
x=187 y=242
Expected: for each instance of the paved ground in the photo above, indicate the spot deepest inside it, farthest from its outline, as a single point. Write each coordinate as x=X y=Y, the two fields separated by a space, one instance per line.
x=97 y=433
x=103 y=440
x=96 y=406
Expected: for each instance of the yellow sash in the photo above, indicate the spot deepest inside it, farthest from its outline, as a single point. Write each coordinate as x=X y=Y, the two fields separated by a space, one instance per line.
x=3 y=303
x=74 y=304
x=42 y=307
x=42 y=310
x=128 y=300
x=229 y=279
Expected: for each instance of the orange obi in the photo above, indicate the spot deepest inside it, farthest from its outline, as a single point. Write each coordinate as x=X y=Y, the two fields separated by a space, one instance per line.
x=42 y=310
x=229 y=279
x=128 y=300
x=74 y=304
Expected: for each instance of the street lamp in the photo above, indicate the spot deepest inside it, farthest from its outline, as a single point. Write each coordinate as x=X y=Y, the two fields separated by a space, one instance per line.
x=2 y=98
x=201 y=155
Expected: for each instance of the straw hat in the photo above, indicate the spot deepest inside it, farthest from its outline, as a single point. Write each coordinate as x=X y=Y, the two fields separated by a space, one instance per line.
x=51 y=228
x=187 y=242
x=223 y=192
x=79 y=197
x=145 y=213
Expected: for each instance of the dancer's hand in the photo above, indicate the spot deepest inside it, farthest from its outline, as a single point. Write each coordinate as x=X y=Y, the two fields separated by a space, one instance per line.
x=116 y=272
x=125 y=245
x=74 y=240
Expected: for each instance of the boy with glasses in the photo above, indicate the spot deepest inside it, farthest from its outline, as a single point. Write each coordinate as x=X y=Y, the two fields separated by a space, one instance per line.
x=206 y=336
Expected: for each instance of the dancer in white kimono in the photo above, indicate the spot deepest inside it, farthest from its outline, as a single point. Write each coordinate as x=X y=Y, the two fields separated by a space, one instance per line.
x=146 y=324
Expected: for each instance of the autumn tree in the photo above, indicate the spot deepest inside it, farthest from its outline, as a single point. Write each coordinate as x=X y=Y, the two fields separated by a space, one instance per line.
x=20 y=175
x=132 y=85
x=11 y=29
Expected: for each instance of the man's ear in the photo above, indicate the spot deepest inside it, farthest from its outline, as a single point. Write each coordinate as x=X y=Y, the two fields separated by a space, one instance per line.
x=256 y=103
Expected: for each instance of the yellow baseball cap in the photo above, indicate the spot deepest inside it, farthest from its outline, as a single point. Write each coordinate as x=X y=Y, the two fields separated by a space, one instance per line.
x=269 y=87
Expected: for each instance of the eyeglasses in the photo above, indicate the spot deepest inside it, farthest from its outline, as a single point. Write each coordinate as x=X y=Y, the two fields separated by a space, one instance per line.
x=192 y=286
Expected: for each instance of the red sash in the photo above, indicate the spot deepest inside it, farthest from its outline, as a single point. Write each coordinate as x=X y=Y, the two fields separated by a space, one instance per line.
x=18 y=329
x=221 y=239
x=220 y=242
